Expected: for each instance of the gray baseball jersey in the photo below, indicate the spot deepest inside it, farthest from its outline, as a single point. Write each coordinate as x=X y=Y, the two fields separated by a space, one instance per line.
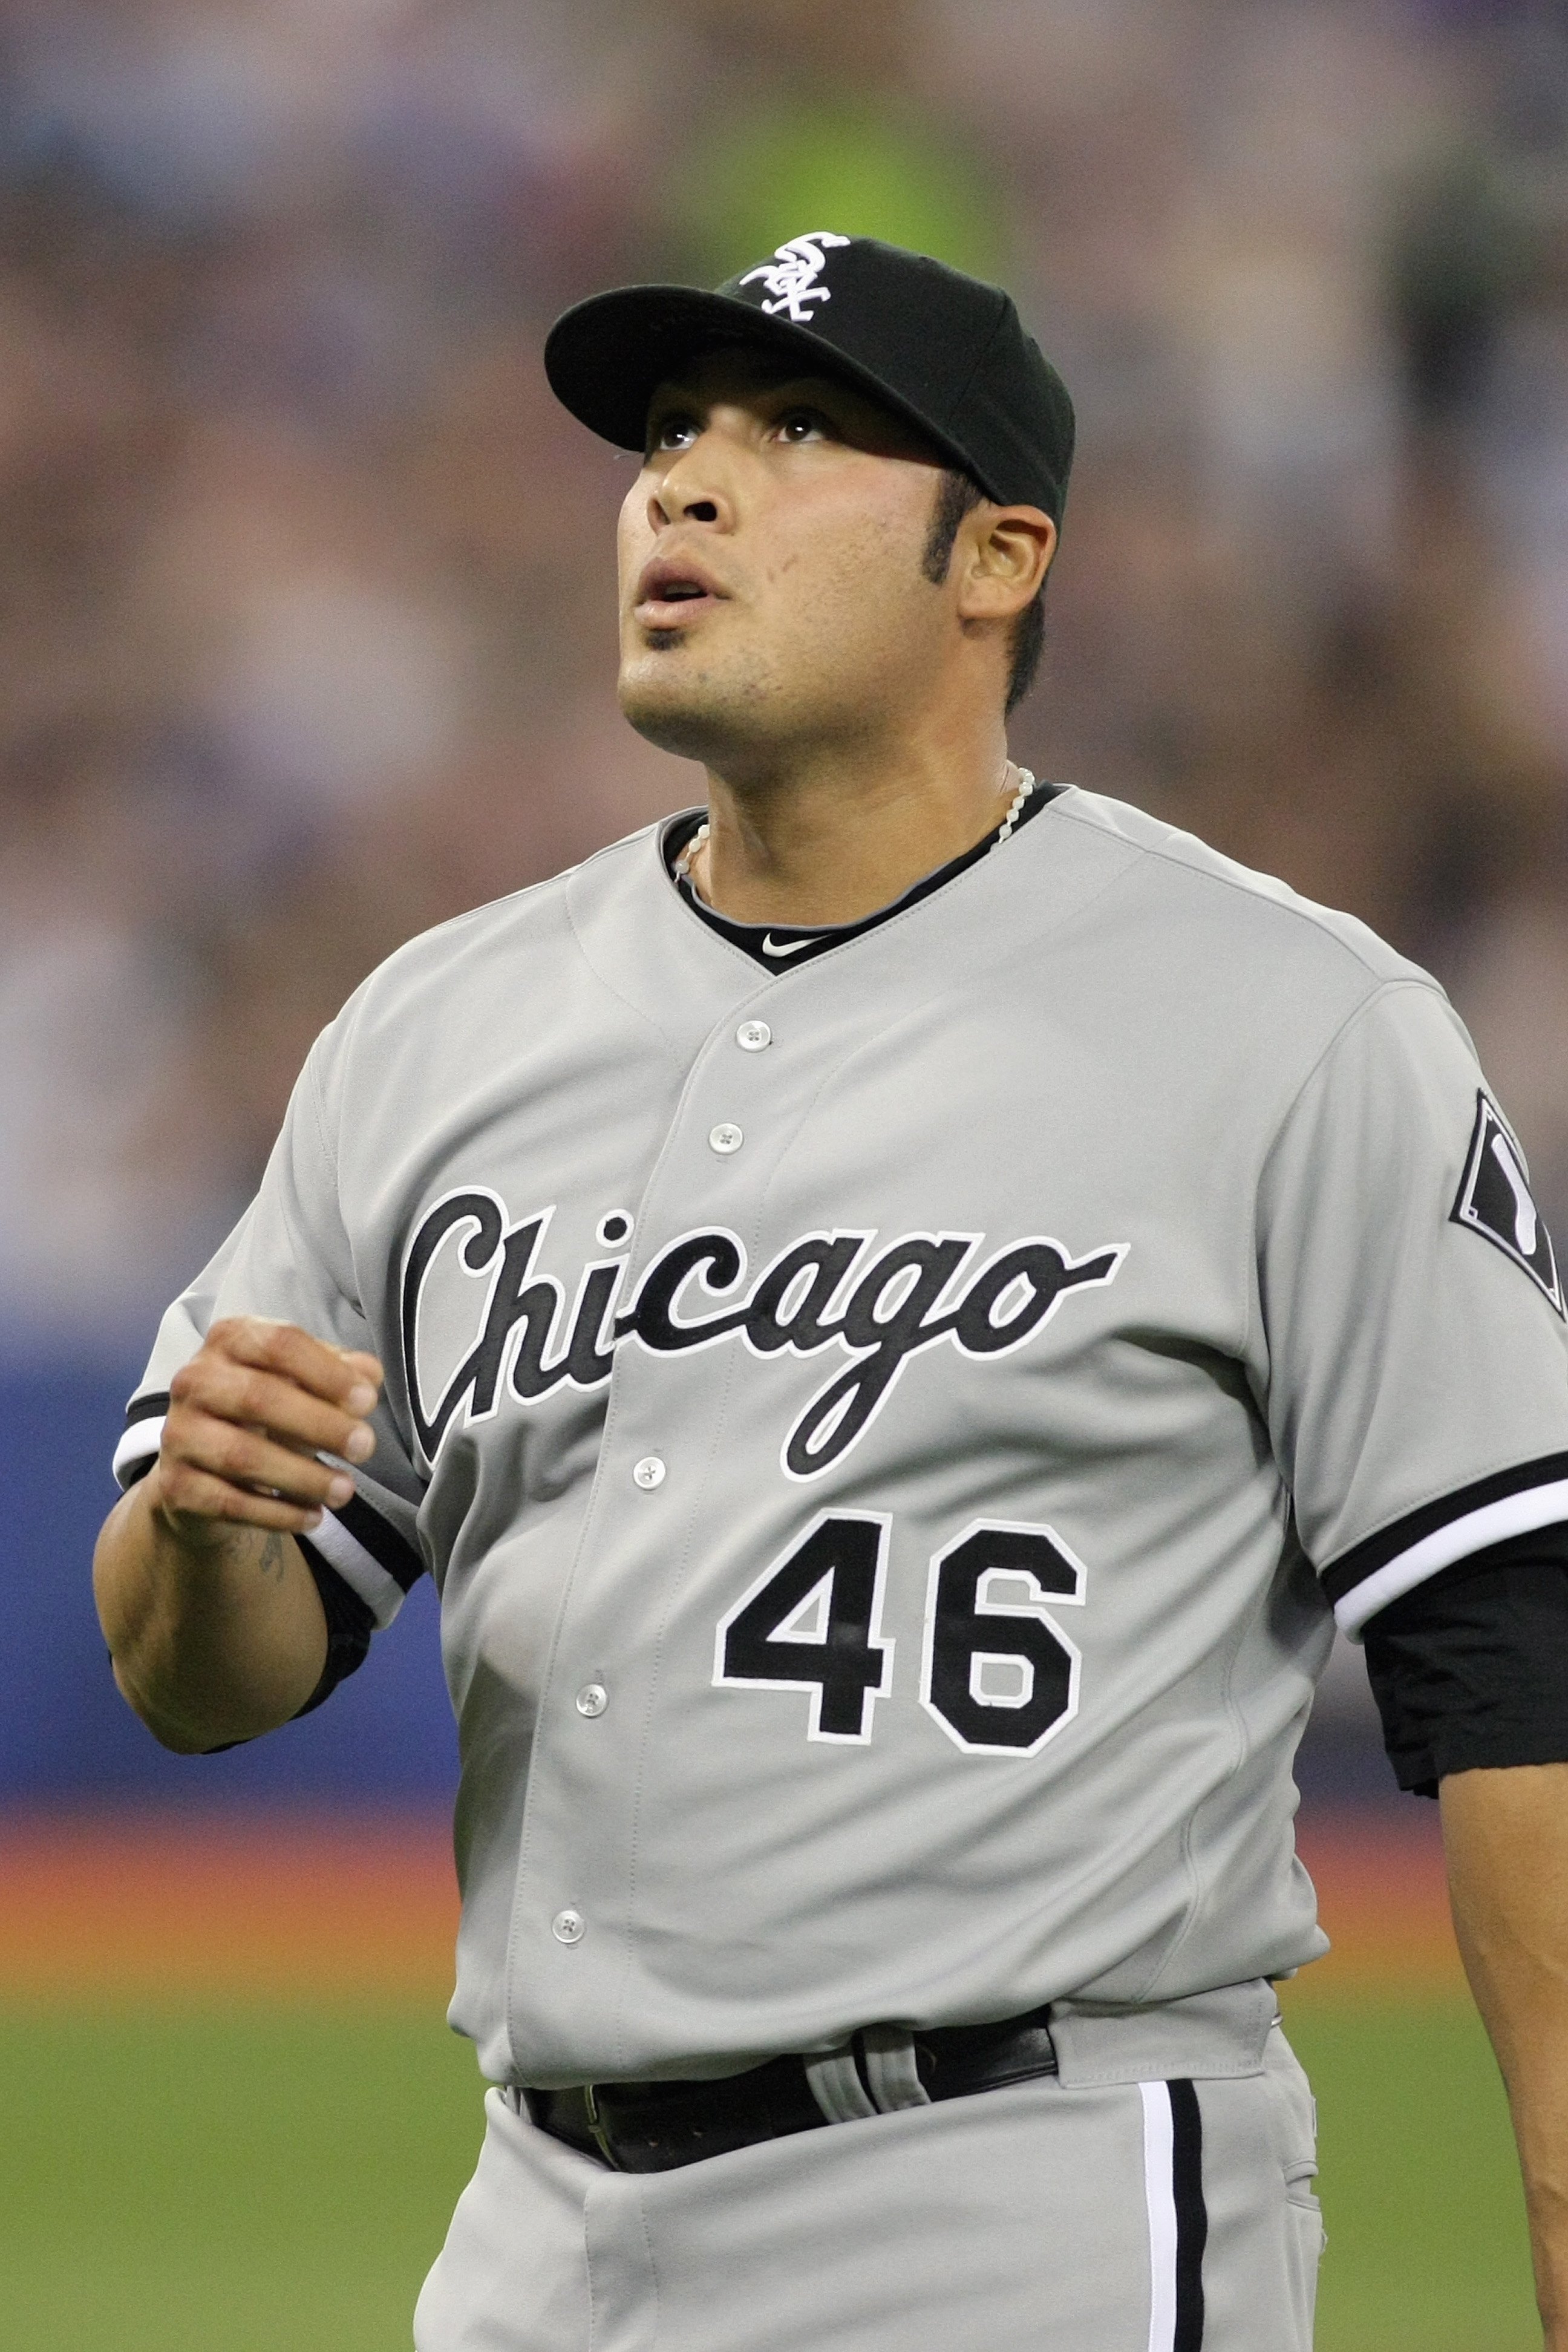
x=887 y=1434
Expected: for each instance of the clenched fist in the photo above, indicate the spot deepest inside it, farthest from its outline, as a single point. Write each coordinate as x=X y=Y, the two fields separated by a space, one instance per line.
x=249 y=1417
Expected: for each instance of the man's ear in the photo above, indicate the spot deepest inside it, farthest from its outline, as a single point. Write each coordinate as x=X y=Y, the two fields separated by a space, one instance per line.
x=1008 y=554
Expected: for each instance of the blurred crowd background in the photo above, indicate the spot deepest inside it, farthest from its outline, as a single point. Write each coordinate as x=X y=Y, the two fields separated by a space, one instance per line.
x=306 y=621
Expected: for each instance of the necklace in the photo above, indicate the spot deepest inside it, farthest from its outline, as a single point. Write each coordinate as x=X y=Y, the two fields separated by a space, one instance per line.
x=683 y=863
x=1026 y=786
x=1015 y=811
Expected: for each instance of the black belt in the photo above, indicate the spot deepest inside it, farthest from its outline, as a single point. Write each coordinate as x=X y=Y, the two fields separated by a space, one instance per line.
x=653 y=2126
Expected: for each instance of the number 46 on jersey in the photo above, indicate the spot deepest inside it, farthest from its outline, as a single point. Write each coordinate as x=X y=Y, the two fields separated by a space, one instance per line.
x=997 y=1673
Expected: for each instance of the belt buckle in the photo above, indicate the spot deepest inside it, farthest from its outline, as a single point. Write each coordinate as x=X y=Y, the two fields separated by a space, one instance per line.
x=597 y=2126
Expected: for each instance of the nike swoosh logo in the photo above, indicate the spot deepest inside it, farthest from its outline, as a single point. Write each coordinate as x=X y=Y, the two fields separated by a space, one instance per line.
x=783 y=947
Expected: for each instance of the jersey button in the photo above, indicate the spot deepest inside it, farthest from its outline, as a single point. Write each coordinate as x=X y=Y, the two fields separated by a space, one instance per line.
x=648 y=1473
x=752 y=1035
x=568 y=1927
x=725 y=1138
x=593 y=1699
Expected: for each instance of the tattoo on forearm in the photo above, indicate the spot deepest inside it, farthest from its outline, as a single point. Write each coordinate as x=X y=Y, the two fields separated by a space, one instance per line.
x=273 y=1557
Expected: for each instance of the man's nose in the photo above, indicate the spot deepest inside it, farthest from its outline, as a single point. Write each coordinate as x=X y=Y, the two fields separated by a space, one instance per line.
x=664 y=509
x=692 y=490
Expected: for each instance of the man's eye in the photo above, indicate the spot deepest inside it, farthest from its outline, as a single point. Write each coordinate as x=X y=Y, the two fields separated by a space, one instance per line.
x=675 y=433
x=803 y=425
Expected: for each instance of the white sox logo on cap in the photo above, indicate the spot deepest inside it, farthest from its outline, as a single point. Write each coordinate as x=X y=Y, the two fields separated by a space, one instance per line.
x=791 y=276
x=946 y=352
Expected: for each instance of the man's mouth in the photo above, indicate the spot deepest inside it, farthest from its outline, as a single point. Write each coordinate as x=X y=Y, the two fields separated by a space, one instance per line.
x=672 y=595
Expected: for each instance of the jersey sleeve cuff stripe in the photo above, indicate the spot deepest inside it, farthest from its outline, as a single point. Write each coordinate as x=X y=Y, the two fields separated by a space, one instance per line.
x=381 y=1593
x=1360 y=1587
x=134 y=1455
x=369 y=1555
x=378 y=1537
x=1389 y=1543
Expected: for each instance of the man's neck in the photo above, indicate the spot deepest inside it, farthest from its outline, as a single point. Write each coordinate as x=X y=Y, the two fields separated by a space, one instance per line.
x=831 y=847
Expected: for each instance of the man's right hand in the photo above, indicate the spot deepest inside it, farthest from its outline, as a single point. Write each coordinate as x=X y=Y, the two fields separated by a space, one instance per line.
x=209 y=1608
x=247 y=1417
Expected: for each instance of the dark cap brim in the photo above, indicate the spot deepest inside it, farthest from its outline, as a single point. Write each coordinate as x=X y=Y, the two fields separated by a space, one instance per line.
x=607 y=357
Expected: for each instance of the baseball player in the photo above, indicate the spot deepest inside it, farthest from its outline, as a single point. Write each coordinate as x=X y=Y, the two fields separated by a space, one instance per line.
x=897 y=1309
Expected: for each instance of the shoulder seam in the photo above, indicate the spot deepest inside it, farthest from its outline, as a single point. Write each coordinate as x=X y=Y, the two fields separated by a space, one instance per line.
x=1303 y=912
x=640 y=1012
x=313 y=1072
x=1423 y=985
x=511 y=899
x=474 y=914
x=1374 y=996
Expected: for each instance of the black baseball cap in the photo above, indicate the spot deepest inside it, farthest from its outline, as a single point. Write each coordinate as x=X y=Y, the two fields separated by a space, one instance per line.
x=947 y=352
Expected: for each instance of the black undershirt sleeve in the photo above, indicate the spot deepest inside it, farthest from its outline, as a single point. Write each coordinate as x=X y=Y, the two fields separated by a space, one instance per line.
x=1470 y=1670
x=349 y=1627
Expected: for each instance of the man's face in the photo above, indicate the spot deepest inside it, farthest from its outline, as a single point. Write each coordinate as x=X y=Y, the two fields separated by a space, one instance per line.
x=772 y=591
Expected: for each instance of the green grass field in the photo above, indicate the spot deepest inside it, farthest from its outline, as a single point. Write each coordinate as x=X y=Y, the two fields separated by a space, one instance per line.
x=278 y=2181
x=260 y=2182
x=1426 y=2249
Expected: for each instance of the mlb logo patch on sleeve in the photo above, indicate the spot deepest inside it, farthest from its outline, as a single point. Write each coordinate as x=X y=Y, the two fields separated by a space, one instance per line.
x=1495 y=1200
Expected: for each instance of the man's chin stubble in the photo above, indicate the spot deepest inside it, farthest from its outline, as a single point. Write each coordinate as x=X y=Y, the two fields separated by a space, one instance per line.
x=694 y=715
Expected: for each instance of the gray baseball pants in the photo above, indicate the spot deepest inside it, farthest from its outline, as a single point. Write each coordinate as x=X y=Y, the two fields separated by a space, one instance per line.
x=1059 y=2215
